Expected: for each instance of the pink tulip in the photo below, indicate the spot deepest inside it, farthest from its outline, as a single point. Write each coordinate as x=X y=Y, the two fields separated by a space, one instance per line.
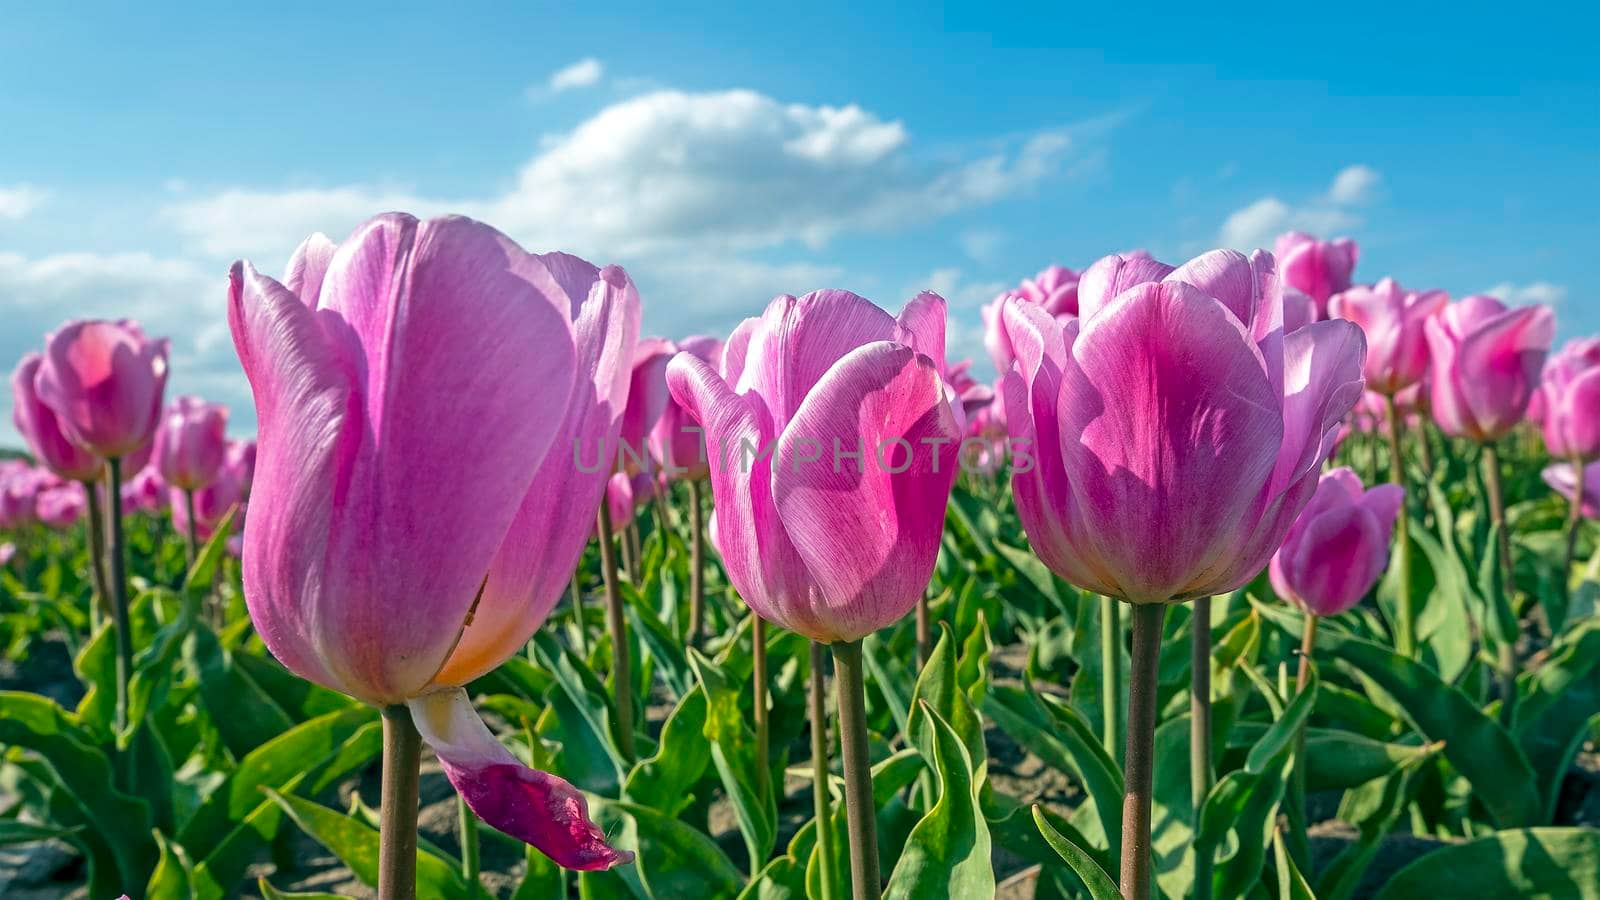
x=240 y=462
x=827 y=469
x=104 y=381
x=145 y=492
x=423 y=392
x=1570 y=390
x=675 y=441
x=1561 y=477
x=19 y=488
x=211 y=503
x=1485 y=364
x=1055 y=290
x=1299 y=309
x=39 y=427
x=190 y=443
x=1175 y=431
x=8 y=552
x=1338 y=547
x=1394 y=322
x=61 y=505
x=626 y=495
x=647 y=402
x=1319 y=268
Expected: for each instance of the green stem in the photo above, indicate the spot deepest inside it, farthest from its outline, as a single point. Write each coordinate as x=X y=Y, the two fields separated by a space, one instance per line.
x=118 y=576
x=194 y=527
x=1200 y=731
x=758 y=676
x=820 y=769
x=1504 y=567
x=621 y=663
x=1110 y=674
x=1297 y=781
x=579 y=618
x=697 y=566
x=397 y=805
x=1574 y=525
x=100 y=604
x=1405 y=639
x=1139 y=757
x=860 y=812
x=468 y=826
x=924 y=631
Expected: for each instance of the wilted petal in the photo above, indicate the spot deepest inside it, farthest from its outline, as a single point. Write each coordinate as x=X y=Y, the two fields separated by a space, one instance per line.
x=531 y=806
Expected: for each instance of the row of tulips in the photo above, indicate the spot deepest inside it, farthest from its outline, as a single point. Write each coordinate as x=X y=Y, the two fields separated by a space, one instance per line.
x=428 y=393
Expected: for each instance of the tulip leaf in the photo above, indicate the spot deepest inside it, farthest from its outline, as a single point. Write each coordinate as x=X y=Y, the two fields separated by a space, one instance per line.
x=1558 y=706
x=300 y=698
x=356 y=845
x=947 y=853
x=673 y=860
x=664 y=645
x=1531 y=862
x=1291 y=884
x=202 y=574
x=268 y=892
x=1443 y=621
x=95 y=665
x=664 y=781
x=13 y=832
x=734 y=754
x=244 y=715
x=84 y=773
x=937 y=691
x=1339 y=760
x=583 y=717
x=1476 y=745
x=1095 y=879
x=171 y=878
x=890 y=679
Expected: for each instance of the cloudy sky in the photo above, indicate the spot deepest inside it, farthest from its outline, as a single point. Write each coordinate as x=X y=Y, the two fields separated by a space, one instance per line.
x=724 y=156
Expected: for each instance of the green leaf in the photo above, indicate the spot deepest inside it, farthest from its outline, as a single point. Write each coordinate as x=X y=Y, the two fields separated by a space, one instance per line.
x=171 y=879
x=663 y=782
x=947 y=854
x=937 y=691
x=1095 y=879
x=1558 y=707
x=673 y=860
x=1339 y=760
x=268 y=892
x=13 y=832
x=356 y=845
x=301 y=699
x=733 y=752
x=586 y=696
x=242 y=713
x=1532 y=862
x=1502 y=778
x=200 y=576
x=1291 y=884
x=890 y=679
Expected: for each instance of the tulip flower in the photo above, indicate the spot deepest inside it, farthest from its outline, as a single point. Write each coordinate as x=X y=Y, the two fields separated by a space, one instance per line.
x=104 y=381
x=1319 y=268
x=1339 y=546
x=647 y=402
x=1055 y=290
x=1562 y=477
x=422 y=391
x=1570 y=388
x=832 y=446
x=17 y=492
x=1299 y=309
x=208 y=506
x=1394 y=321
x=190 y=442
x=61 y=505
x=239 y=461
x=1176 y=432
x=40 y=429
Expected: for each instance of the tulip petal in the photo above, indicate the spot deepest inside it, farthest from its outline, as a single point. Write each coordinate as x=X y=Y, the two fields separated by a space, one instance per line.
x=734 y=351
x=532 y=806
x=761 y=561
x=799 y=341
x=308 y=267
x=1109 y=277
x=921 y=325
x=1339 y=557
x=554 y=522
x=1170 y=428
x=1500 y=360
x=39 y=427
x=887 y=402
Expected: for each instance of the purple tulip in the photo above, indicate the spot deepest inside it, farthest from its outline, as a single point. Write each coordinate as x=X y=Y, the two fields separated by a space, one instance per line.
x=145 y=492
x=190 y=443
x=832 y=446
x=104 y=381
x=1055 y=290
x=1319 y=268
x=1299 y=309
x=1570 y=391
x=647 y=402
x=1337 y=549
x=422 y=392
x=1175 y=430
x=239 y=461
x=39 y=427
x=1562 y=477
x=1485 y=364
x=1394 y=321
x=61 y=505
x=675 y=441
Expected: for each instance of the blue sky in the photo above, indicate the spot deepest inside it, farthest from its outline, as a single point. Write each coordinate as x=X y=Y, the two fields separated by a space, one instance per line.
x=724 y=154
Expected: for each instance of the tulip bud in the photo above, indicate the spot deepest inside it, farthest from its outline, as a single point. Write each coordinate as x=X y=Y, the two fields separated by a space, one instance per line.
x=1339 y=546
x=1318 y=268
x=1570 y=390
x=190 y=442
x=1394 y=322
x=104 y=381
x=676 y=442
x=1055 y=290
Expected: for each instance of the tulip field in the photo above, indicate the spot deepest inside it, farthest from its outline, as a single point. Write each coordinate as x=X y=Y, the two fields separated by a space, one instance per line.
x=1253 y=576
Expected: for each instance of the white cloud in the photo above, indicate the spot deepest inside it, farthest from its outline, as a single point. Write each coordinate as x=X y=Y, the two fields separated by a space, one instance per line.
x=982 y=244
x=17 y=201
x=584 y=73
x=1354 y=185
x=1532 y=292
x=1259 y=223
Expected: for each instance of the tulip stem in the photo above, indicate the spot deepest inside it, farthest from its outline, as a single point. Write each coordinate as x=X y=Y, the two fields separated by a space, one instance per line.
x=621 y=664
x=1504 y=566
x=397 y=805
x=194 y=533
x=1574 y=525
x=924 y=631
x=1297 y=780
x=1138 y=762
x=758 y=677
x=580 y=620
x=100 y=606
x=697 y=566
x=1110 y=674
x=860 y=811
x=1200 y=731
x=1425 y=445
x=1405 y=625
x=821 y=796
x=469 y=846
x=119 y=592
